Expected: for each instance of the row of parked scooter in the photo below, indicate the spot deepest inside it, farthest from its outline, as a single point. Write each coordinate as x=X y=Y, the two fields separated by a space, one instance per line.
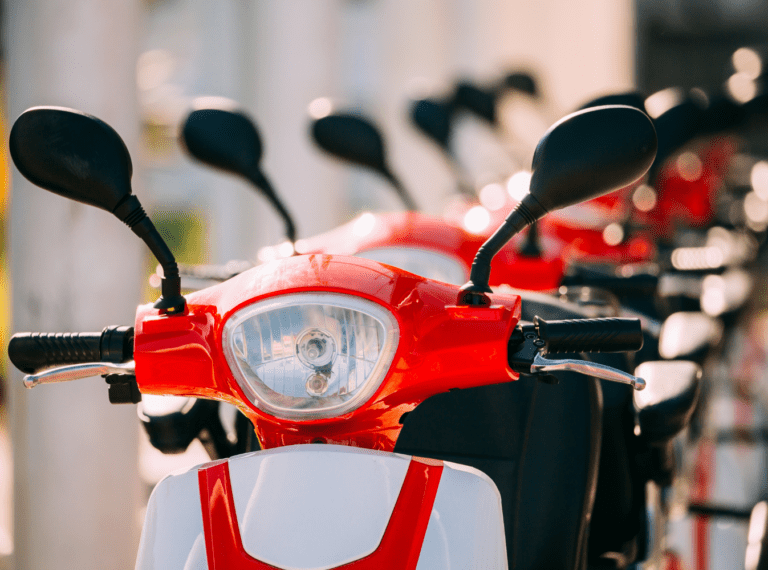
x=426 y=392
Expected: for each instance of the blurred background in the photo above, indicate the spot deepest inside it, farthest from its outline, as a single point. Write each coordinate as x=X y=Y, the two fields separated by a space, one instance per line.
x=75 y=472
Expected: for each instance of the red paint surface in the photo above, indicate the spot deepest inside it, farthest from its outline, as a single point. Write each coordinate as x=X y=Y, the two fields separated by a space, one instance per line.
x=400 y=546
x=441 y=346
x=415 y=230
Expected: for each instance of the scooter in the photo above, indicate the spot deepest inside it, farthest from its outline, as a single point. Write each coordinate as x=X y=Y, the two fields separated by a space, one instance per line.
x=359 y=141
x=334 y=350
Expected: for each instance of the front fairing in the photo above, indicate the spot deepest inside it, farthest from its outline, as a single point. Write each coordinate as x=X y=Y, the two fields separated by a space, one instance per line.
x=324 y=507
x=441 y=346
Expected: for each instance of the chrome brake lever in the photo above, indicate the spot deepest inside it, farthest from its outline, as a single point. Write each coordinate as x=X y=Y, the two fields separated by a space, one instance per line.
x=541 y=364
x=77 y=371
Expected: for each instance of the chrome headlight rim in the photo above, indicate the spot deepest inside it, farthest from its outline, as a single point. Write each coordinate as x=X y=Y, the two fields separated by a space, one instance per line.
x=348 y=301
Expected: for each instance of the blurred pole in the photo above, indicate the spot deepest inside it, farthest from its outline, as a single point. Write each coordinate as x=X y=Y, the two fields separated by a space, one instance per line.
x=73 y=268
x=295 y=55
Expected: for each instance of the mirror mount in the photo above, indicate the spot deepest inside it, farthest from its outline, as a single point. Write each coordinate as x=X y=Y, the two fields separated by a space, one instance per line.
x=475 y=291
x=260 y=180
x=132 y=214
x=532 y=245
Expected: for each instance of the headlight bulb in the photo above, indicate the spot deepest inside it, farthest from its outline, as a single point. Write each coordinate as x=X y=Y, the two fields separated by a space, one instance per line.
x=317 y=385
x=315 y=349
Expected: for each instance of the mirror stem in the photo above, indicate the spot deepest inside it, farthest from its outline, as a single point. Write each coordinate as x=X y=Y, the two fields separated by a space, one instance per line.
x=404 y=195
x=258 y=179
x=531 y=245
x=474 y=292
x=132 y=214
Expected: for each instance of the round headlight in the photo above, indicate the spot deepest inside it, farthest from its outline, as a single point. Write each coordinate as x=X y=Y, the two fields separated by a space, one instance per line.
x=310 y=355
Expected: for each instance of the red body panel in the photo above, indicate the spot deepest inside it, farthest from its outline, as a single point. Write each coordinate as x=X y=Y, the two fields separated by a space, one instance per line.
x=562 y=241
x=415 y=230
x=441 y=346
x=400 y=546
x=687 y=202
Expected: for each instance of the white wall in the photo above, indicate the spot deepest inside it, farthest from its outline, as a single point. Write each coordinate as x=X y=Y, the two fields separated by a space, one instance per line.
x=74 y=268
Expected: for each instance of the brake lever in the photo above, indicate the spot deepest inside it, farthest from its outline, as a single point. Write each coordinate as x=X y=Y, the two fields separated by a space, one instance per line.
x=78 y=371
x=541 y=364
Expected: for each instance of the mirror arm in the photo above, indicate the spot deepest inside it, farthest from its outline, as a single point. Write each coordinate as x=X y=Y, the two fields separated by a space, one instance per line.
x=258 y=179
x=532 y=245
x=132 y=214
x=402 y=192
x=474 y=292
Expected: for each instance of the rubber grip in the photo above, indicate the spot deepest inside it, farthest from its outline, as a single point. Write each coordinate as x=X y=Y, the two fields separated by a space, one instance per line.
x=634 y=286
x=590 y=335
x=34 y=351
x=30 y=352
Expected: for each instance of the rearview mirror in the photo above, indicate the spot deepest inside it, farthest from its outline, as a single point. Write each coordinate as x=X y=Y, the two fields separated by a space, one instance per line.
x=479 y=101
x=227 y=139
x=584 y=155
x=433 y=118
x=590 y=153
x=80 y=157
x=223 y=139
x=351 y=138
x=357 y=140
x=72 y=154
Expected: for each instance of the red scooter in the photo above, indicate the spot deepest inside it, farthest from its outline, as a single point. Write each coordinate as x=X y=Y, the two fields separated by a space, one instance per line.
x=340 y=351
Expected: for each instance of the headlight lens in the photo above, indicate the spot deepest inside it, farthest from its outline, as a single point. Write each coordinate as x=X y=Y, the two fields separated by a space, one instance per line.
x=422 y=262
x=310 y=355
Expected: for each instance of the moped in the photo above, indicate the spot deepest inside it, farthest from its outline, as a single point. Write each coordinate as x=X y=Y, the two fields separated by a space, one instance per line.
x=330 y=357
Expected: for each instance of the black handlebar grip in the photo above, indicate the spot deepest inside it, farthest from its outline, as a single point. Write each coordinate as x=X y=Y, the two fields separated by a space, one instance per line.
x=634 y=286
x=590 y=335
x=30 y=352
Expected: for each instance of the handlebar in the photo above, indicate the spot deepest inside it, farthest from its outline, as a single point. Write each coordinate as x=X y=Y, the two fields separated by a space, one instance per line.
x=30 y=352
x=590 y=335
x=639 y=285
x=528 y=343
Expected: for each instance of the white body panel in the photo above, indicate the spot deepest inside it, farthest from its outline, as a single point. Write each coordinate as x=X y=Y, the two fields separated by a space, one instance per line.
x=173 y=536
x=317 y=507
x=465 y=529
x=314 y=507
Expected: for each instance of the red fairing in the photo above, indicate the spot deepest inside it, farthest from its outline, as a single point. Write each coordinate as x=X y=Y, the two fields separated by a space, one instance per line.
x=567 y=239
x=414 y=230
x=441 y=346
x=685 y=199
x=400 y=546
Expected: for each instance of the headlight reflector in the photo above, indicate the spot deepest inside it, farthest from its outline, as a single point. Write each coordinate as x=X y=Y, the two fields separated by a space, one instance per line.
x=310 y=355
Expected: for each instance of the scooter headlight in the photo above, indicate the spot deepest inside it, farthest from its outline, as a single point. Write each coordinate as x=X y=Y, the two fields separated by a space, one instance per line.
x=310 y=355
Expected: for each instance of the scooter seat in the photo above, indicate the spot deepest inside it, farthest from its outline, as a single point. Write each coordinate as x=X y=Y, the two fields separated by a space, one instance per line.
x=666 y=405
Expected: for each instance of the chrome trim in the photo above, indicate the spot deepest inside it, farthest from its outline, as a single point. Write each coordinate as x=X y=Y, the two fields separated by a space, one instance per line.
x=541 y=364
x=77 y=371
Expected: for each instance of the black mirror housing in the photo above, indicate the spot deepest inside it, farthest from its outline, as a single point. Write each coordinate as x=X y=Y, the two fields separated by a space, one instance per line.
x=72 y=154
x=223 y=139
x=590 y=153
x=228 y=139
